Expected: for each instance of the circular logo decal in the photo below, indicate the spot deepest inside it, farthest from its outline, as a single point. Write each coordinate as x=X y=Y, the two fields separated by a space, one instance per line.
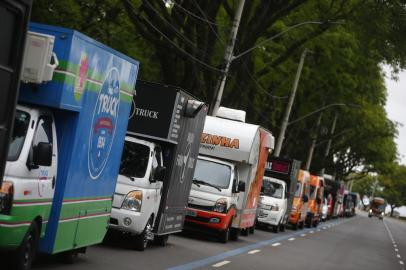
x=104 y=122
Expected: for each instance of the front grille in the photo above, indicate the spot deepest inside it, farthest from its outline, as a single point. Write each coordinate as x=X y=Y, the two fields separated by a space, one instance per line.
x=201 y=207
x=197 y=218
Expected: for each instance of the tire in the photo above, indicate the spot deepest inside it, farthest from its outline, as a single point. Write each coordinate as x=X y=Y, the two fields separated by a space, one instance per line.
x=302 y=225
x=161 y=240
x=309 y=223
x=282 y=228
x=251 y=230
x=25 y=254
x=295 y=226
x=69 y=257
x=141 y=240
x=224 y=236
x=244 y=232
x=234 y=234
x=315 y=223
x=276 y=228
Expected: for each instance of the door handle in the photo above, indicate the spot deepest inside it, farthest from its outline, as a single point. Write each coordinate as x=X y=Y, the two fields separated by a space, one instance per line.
x=53 y=182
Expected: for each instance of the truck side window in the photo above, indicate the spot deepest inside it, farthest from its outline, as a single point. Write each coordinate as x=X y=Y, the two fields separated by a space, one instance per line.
x=156 y=161
x=43 y=132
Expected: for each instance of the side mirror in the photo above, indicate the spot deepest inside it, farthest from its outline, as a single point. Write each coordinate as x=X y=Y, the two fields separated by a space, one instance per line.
x=318 y=200
x=159 y=174
x=42 y=154
x=241 y=186
x=305 y=198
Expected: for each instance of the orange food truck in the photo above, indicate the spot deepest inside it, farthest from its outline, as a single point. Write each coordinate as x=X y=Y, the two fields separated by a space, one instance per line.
x=300 y=201
x=313 y=216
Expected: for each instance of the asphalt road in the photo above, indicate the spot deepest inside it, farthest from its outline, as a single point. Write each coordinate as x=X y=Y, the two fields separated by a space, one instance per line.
x=352 y=243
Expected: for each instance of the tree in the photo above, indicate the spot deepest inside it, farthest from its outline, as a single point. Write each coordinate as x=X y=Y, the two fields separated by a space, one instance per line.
x=394 y=187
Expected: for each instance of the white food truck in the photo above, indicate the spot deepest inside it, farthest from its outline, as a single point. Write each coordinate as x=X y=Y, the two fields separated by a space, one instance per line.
x=277 y=192
x=228 y=175
x=159 y=156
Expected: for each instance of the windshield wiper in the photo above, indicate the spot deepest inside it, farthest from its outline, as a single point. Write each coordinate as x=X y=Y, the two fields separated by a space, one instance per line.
x=198 y=182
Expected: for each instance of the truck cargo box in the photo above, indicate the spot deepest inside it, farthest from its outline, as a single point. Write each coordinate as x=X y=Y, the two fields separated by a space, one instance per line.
x=90 y=97
x=175 y=120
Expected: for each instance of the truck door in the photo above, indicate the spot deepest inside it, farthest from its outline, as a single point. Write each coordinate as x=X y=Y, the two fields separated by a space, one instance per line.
x=13 y=28
x=157 y=185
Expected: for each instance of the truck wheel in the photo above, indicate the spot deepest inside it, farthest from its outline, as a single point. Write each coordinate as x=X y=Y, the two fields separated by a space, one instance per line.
x=295 y=226
x=276 y=228
x=282 y=228
x=25 y=254
x=224 y=236
x=251 y=230
x=234 y=233
x=309 y=223
x=69 y=257
x=161 y=240
x=302 y=224
x=141 y=240
x=244 y=232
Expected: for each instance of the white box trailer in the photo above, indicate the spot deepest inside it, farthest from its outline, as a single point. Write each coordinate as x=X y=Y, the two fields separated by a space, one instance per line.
x=228 y=177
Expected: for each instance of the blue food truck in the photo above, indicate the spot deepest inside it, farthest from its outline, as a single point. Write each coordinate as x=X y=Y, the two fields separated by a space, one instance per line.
x=66 y=145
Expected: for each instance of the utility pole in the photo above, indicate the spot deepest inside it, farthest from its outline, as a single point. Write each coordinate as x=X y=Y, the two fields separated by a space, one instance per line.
x=313 y=145
x=292 y=96
x=228 y=57
x=329 y=142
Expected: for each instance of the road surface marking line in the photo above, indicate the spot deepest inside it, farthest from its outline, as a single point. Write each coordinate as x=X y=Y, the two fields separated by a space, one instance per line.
x=398 y=256
x=220 y=264
x=276 y=244
x=254 y=251
x=318 y=230
x=311 y=231
x=324 y=228
x=291 y=239
x=207 y=261
x=401 y=262
x=395 y=246
x=397 y=250
x=303 y=235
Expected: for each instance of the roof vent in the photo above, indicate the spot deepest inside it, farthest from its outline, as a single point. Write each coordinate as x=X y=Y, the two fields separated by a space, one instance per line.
x=232 y=114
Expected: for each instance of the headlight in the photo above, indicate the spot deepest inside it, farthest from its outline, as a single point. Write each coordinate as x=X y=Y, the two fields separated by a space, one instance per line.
x=275 y=207
x=221 y=205
x=133 y=201
x=6 y=197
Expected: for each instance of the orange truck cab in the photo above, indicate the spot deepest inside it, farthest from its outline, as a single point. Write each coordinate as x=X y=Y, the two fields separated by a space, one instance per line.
x=313 y=216
x=300 y=201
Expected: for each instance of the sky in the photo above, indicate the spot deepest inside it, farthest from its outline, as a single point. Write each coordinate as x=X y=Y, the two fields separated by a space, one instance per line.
x=396 y=107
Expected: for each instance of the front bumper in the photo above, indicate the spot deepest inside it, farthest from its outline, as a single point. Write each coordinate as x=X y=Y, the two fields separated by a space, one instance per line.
x=209 y=219
x=138 y=221
x=269 y=217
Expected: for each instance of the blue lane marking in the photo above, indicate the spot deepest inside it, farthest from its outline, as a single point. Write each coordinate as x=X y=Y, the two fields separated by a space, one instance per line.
x=238 y=251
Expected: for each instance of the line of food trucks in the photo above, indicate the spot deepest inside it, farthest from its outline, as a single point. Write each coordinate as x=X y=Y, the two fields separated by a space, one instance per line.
x=94 y=152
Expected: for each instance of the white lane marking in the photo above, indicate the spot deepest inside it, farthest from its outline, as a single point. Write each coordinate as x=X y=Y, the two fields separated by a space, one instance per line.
x=220 y=264
x=318 y=230
x=395 y=246
x=398 y=256
x=291 y=239
x=303 y=235
x=324 y=228
x=397 y=250
x=276 y=244
x=254 y=251
x=311 y=231
x=401 y=262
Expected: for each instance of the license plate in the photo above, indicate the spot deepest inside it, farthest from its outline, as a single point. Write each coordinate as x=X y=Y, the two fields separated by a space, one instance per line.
x=191 y=213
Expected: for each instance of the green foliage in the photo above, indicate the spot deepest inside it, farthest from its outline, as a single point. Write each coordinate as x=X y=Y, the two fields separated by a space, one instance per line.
x=184 y=45
x=394 y=186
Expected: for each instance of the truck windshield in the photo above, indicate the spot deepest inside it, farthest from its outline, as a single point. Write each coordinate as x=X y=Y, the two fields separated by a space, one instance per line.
x=212 y=173
x=297 y=192
x=272 y=189
x=134 y=161
x=21 y=123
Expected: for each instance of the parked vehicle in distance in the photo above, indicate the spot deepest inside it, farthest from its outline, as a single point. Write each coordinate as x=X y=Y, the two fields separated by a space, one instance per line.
x=157 y=165
x=277 y=192
x=377 y=208
x=350 y=202
x=325 y=210
x=315 y=201
x=228 y=175
x=299 y=210
x=64 y=156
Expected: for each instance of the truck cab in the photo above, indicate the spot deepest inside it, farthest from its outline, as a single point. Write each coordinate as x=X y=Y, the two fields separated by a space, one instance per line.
x=138 y=190
x=315 y=201
x=300 y=201
x=272 y=203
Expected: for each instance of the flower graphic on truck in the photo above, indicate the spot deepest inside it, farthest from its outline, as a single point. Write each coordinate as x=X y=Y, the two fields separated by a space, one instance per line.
x=104 y=123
